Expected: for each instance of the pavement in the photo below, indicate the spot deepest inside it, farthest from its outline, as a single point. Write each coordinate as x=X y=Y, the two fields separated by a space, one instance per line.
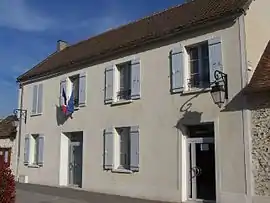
x=30 y=193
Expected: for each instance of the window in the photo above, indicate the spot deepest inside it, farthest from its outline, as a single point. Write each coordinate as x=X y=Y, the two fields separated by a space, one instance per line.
x=33 y=149
x=124 y=147
x=124 y=82
x=121 y=149
x=75 y=82
x=37 y=99
x=198 y=66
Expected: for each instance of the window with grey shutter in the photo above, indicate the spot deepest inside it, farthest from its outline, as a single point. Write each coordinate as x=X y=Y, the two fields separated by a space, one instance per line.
x=34 y=99
x=63 y=87
x=108 y=149
x=177 y=69
x=40 y=99
x=82 y=89
x=135 y=79
x=26 y=149
x=134 y=148
x=109 y=91
x=215 y=57
x=40 y=150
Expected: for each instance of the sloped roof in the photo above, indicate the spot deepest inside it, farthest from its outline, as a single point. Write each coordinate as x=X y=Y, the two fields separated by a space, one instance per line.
x=6 y=127
x=171 y=21
x=260 y=80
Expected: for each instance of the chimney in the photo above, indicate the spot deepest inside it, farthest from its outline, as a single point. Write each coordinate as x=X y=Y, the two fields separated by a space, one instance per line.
x=61 y=45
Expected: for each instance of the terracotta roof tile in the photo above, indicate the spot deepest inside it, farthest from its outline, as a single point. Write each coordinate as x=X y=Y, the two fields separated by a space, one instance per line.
x=260 y=80
x=171 y=21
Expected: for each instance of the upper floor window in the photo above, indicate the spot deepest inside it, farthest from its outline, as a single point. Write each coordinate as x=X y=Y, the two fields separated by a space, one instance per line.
x=198 y=66
x=75 y=84
x=193 y=66
x=37 y=99
x=124 y=81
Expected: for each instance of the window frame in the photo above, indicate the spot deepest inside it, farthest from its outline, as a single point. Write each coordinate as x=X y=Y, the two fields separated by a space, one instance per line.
x=201 y=68
x=36 y=113
x=127 y=90
x=71 y=79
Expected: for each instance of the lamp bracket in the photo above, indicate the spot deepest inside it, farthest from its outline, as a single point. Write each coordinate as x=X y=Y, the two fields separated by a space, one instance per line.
x=22 y=113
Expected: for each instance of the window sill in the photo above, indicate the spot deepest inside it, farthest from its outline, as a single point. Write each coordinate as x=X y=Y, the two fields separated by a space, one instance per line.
x=196 y=90
x=122 y=102
x=122 y=171
x=34 y=115
x=33 y=166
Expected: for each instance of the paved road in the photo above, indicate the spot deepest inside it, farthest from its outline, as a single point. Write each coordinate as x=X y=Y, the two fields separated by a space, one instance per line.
x=28 y=193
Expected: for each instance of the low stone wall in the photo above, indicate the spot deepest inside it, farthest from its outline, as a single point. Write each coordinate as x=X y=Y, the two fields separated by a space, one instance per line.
x=261 y=144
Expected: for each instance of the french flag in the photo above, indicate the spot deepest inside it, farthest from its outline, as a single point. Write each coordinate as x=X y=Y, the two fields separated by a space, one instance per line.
x=67 y=104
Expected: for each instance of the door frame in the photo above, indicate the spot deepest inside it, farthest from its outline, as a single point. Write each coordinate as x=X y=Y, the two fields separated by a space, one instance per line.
x=192 y=142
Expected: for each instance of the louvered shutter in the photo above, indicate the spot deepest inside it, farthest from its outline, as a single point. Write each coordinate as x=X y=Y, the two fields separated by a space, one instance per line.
x=134 y=148
x=34 y=99
x=108 y=149
x=177 y=69
x=40 y=150
x=109 y=90
x=40 y=99
x=135 y=79
x=26 y=149
x=82 y=90
x=215 y=57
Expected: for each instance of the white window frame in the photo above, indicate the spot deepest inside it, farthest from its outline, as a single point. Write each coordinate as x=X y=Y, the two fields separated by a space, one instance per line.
x=117 y=80
x=117 y=167
x=33 y=149
x=200 y=65
x=36 y=113
x=69 y=86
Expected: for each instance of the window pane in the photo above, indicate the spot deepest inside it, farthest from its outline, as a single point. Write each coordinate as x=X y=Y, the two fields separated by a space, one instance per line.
x=205 y=50
x=194 y=74
x=193 y=53
x=125 y=81
x=75 y=83
x=205 y=73
x=124 y=147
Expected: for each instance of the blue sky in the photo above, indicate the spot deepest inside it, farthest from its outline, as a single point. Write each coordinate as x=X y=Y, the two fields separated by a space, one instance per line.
x=29 y=30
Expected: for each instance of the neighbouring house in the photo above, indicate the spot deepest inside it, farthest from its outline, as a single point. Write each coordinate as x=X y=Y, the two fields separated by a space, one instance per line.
x=258 y=93
x=8 y=131
x=129 y=112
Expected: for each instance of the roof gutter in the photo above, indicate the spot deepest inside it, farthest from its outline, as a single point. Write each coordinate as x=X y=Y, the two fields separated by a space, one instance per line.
x=133 y=45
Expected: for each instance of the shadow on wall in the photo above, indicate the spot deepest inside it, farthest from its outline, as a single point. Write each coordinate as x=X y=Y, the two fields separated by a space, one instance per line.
x=60 y=117
x=188 y=117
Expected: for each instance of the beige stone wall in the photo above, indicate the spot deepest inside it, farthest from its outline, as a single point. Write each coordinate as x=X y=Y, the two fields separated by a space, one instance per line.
x=7 y=143
x=261 y=145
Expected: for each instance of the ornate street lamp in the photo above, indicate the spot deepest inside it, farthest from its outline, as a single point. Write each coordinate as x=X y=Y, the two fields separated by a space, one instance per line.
x=22 y=114
x=219 y=91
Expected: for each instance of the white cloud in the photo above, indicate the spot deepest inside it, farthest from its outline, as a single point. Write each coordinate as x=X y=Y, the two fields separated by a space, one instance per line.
x=17 y=14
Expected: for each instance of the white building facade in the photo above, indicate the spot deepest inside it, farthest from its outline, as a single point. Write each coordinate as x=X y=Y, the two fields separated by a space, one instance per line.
x=144 y=123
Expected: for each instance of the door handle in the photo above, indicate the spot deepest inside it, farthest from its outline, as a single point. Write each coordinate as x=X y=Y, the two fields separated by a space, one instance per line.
x=197 y=171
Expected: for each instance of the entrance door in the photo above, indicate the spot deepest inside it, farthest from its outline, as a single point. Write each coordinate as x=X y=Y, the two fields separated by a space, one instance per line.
x=5 y=154
x=75 y=163
x=201 y=167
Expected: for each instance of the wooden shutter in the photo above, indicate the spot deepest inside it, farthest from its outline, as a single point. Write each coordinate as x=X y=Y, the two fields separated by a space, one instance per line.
x=215 y=57
x=134 y=148
x=34 y=99
x=40 y=99
x=135 y=79
x=26 y=149
x=109 y=90
x=40 y=150
x=63 y=86
x=108 y=149
x=82 y=90
x=177 y=69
